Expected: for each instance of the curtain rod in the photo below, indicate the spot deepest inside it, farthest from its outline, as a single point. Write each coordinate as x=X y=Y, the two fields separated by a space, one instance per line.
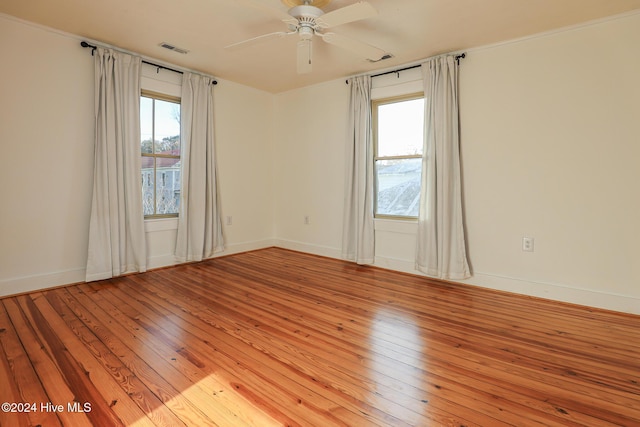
x=457 y=58
x=93 y=48
x=397 y=71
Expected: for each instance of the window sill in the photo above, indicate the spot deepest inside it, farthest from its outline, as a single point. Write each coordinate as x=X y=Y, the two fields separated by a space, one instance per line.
x=160 y=224
x=396 y=226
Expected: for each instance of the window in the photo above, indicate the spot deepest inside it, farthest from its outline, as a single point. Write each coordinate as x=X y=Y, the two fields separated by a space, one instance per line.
x=160 y=150
x=398 y=144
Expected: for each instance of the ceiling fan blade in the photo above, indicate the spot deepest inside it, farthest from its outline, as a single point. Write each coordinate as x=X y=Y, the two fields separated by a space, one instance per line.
x=344 y=15
x=304 y=56
x=276 y=13
x=365 y=50
x=259 y=39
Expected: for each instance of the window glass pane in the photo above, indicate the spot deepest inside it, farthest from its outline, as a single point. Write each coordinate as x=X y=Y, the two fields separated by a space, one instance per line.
x=167 y=186
x=147 y=185
x=146 y=124
x=167 y=127
x=160 y=137
x=400 y=128
x=398 y=187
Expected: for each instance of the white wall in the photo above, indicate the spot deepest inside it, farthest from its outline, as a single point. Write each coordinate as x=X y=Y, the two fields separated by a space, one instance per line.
x=46 y=160
x=309 y=166
x=550 y=146
x=46 y=140
x=244 y=145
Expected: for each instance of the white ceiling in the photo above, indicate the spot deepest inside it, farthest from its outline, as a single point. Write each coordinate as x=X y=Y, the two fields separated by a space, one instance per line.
x=410 y=30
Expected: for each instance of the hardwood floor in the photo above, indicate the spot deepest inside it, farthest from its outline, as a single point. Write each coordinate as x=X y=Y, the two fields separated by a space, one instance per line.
x=275 y=337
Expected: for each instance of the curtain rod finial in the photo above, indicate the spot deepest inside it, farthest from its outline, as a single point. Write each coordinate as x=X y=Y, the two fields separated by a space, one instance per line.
x=85 y=44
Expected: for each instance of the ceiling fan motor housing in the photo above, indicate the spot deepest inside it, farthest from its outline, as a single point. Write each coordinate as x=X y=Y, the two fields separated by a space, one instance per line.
x=306 y=16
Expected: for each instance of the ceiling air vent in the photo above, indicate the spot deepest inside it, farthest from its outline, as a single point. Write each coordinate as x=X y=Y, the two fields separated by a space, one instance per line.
x=385 y=56
x=173 y=48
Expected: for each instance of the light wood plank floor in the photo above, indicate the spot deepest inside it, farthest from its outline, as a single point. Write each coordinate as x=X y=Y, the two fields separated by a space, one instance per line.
x=275 y=337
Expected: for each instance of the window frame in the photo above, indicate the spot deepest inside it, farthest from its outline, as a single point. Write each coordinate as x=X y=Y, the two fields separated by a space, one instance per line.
x=167 y=98
x=374 y=123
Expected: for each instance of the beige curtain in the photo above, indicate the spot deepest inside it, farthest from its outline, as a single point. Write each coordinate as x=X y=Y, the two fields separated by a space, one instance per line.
x=199 y=222
x=441 y=245
x=116 y=229
x=358 y=226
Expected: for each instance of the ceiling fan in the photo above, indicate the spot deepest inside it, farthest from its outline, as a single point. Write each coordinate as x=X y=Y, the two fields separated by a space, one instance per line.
x=306 y=19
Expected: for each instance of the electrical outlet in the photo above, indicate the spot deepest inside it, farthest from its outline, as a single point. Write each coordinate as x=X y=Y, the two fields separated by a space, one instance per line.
x=307 y=221
x=229 y=220
x=527 y=244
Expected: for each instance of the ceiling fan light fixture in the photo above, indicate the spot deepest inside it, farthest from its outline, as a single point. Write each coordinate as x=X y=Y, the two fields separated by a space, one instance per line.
x=306 y=33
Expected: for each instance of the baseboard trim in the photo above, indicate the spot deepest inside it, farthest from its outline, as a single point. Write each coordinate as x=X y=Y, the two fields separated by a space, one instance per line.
x=557 y=292
x=21 y=285
x=551 y=291
x=38 y=282
x=293 y=245
x=168 y=260
x=246 y=247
